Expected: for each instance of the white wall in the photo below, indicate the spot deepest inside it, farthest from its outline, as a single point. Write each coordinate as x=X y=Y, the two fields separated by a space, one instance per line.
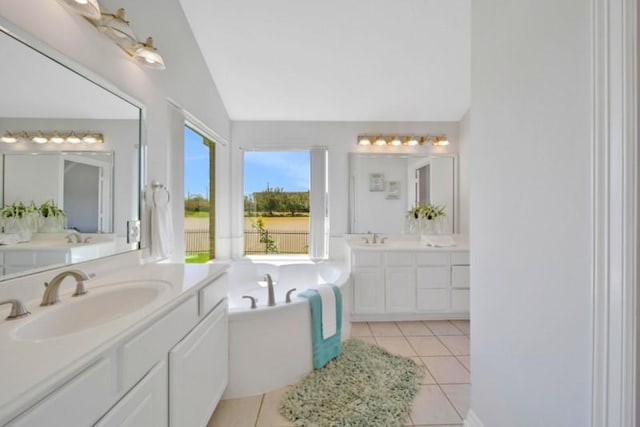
x=186 y=80
x=530 y=222
x=464 y=171
x=340 y=139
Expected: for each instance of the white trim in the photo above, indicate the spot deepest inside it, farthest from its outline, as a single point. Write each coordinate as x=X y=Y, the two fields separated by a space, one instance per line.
x=472 y=420
x=614 y=209
x=202 y=128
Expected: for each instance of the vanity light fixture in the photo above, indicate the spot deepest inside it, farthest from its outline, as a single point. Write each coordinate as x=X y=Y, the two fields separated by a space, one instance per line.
x=40 y=137
x=87 y=8
x=402 y=140
x=147 y=55
x=117 y=28
x=440 y=141
x=364 y=140
x=380 y=141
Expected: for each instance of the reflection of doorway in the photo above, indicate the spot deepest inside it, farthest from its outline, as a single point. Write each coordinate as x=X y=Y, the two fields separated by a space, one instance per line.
x=83 y=196
x=423 y=186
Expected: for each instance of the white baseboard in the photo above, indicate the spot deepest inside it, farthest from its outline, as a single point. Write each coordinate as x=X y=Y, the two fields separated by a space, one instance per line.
x=472 y=420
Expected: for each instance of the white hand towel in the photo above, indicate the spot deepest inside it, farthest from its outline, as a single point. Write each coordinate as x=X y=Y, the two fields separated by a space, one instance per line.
x=161 y=225
x=328 y=299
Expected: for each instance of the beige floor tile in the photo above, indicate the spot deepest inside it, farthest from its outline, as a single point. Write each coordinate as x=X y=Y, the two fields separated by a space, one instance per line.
x=427 y=378
x=466 y=361
x=458 y=345
x=269 y=415
x=385 y=329
x=428 y=346
x=370 y=340
x=416 y=328
x=396 y=345
x=431 y=406
x=458 y=395
x=463 y=325
x=442 y=327
x=446 y=370
x=360 y=329
x=236 y=412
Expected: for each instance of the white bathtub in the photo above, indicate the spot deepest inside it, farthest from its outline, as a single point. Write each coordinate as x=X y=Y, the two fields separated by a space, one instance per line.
x=270 y=347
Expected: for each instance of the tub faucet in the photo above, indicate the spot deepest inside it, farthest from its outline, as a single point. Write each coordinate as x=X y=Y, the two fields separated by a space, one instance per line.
x=272 y=298
x=78 y=237
x=51 y=294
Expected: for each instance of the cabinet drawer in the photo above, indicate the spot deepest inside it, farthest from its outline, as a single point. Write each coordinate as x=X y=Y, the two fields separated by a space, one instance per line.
x=152 y=345
x=432 y=299
x=432 y=277
x=52 y=257
x=460 y=258
x=460 y=300
x=460 y=276
x=367 y=259
x=433 y=258
x=79 y=402
x=212 y=294
x=398 y=259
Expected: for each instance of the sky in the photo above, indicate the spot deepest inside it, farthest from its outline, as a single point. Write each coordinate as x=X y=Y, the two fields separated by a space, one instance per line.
x=287 y=169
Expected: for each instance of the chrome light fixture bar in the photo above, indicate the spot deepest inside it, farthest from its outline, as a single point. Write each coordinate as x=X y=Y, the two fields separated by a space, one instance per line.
x=117 y=28
x=40 y=137
x=402 y=140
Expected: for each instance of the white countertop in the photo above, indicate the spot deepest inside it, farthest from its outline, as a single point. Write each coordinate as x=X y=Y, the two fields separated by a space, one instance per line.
x=30 y=368
x=404 y=243
x=57 y=242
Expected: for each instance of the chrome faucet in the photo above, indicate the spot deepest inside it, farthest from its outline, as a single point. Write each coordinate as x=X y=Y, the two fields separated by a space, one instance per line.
x=272 y=298
x=375 y=238
x=52 y=295
x=18 y=309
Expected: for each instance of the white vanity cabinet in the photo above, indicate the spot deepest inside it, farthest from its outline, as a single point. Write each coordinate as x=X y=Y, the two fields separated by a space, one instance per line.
x=410 y=284
x=169 y=371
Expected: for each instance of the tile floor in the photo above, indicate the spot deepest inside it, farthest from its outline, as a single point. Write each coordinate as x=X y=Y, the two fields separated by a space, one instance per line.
x=442 y=346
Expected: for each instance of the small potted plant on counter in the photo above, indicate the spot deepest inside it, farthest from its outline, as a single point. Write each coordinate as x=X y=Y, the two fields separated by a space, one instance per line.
x=20 y=219
x=52 y=218
x=426 y=219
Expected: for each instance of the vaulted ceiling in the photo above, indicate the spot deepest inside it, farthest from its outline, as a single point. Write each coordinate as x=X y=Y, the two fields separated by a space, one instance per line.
x=337 y=60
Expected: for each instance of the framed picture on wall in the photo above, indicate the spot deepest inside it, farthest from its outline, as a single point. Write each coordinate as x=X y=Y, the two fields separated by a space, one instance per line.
x=376 y=182
x=393 y=190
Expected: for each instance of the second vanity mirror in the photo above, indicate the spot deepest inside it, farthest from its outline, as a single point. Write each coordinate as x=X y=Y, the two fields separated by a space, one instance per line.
x=383 y=187
x=45 y=110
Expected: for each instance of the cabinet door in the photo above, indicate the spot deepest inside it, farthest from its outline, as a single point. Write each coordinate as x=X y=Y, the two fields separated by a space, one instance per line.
x=368 y=291
x=143 y=406
x=198 y=371
x=401 y=289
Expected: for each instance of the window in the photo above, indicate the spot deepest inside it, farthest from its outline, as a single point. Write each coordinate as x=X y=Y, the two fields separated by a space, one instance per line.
x=284 y=202
x=199 y=197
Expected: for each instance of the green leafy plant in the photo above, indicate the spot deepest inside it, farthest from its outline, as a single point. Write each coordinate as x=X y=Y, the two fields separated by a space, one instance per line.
x=427 y=211
x=50 y=209
x=270 y=244
x=18 y=210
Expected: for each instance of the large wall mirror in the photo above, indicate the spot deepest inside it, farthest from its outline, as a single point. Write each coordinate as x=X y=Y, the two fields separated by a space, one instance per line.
x=95 y=183
x=383 y=187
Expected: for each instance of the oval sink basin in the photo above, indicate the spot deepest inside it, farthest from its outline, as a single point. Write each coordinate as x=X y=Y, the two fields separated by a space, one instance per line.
x=101 y=305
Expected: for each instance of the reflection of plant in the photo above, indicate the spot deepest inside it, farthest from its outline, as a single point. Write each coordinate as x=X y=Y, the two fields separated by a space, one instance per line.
x=264 y=236
x=18 y=210
x=427 y=211
x=50 y=209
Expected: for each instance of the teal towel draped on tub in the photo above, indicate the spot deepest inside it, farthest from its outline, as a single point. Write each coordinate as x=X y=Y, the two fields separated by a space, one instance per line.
x=324 y=349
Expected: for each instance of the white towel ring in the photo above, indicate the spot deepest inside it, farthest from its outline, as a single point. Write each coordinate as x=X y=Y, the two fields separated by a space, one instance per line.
x=155 y=187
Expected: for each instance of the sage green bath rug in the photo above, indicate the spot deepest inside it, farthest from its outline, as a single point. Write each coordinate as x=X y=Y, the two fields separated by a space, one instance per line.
x=365 y=386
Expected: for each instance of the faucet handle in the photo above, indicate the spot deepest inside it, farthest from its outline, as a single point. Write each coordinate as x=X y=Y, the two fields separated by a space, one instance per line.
x=86 y=239
x=288 y=297
x=253 y=300
x=18 y=309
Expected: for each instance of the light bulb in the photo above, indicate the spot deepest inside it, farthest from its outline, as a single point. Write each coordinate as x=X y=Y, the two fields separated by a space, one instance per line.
x=364 y=141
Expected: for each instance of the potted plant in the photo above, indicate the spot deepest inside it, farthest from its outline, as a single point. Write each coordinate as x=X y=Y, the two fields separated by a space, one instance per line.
x=20 y=219
x=52 y=218
x=426 y=219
